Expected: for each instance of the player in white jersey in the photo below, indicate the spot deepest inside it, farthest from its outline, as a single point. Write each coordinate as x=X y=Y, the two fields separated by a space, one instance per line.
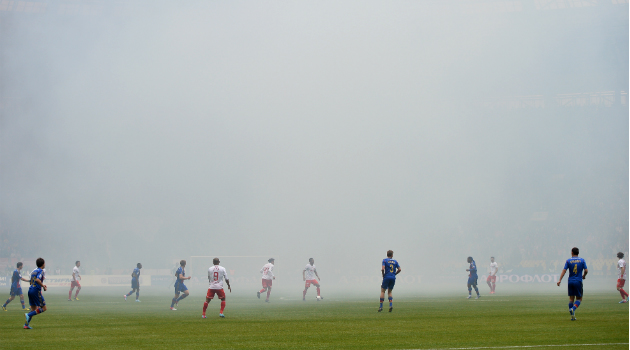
x=621 y=278
x=308 y=275
x=74 y=282
x=216 y=275
x=492 y=277
x=267 y=278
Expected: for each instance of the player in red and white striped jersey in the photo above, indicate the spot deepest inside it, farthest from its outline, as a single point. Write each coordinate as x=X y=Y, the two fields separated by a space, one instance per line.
x=308 y=275
x=492 y=276
x=74 y=282
x=621 y=278
x=216 y=275
x=267 y=278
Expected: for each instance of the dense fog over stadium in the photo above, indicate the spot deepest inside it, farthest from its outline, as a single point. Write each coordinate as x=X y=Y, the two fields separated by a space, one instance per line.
x=332 y=130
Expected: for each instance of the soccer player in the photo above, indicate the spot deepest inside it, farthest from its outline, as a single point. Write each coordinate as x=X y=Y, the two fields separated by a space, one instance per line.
x=35 y=297
x=621 y=269
x=389 y=278
x=16 y=287
x=308 y=275
x=575 y=265
x=472 y=277
x=76 y=276
x=492 y=277
x=180 y=274
x=267 y=278
x=216 y=275
x=135 y=282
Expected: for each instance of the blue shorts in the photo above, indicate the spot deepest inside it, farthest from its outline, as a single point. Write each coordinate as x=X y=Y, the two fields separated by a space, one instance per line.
x=35 y=298
x=180 y=288
x=388 y=283
x=575 y=289
x=472 y=280
x=15 y=291
x=135 y=284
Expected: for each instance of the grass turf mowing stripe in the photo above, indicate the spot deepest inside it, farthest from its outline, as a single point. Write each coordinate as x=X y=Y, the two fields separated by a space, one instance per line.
x=106 y=321
x=525 y=346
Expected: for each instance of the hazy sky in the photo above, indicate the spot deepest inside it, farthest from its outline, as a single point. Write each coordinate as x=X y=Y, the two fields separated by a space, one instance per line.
x=327 y=129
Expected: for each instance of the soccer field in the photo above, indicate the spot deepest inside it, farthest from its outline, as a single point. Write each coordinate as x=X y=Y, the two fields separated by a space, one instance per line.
x=499 y=321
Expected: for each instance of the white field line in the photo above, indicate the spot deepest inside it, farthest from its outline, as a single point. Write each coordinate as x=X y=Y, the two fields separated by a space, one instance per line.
x=523 y=346
x=106 y=302
x=407 y=301
x=228 y=256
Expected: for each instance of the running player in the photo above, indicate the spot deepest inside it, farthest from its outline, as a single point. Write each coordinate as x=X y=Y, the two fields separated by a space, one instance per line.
x=216 y=275
x=74 y=282
x=135 y=282
x=267 y=278
x=389 y=278
x=575 y=265
x=492 y=277
x=180 y=274
x=16 y=287
x=308 y=275
x=35 y=297
x=472 y=278
x=621 y=281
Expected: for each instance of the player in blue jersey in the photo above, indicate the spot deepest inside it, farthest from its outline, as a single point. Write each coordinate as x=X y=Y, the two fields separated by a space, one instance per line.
x=389 y=269
x=576 y=266
x=135 y=282
x=472 y=277
x=180 y=274
x=35 y=297
x=16 y=287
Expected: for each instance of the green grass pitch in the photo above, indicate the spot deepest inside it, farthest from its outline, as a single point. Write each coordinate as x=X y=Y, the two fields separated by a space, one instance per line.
x=107 y=322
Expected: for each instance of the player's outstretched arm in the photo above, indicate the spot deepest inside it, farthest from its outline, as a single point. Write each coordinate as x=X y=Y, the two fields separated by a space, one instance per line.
x=585 y=273
x=317 y=274
x=398 y=271
x=303 y=276
x=383 y=270
x=561 y=276
x=228 y=283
